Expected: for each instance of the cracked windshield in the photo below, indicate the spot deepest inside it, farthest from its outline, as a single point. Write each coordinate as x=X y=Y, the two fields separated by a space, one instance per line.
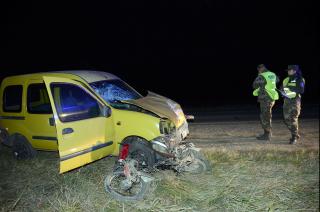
x=114 y=91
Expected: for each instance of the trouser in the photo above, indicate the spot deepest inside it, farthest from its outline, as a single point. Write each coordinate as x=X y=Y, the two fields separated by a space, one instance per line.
x=266 y=114
x=291 y=112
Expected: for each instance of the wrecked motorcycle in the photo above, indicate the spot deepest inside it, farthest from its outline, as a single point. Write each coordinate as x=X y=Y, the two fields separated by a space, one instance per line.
x=131 y=177
x=128 y=184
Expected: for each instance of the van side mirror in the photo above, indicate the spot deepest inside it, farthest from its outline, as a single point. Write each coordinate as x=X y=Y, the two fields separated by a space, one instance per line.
x=106 y=111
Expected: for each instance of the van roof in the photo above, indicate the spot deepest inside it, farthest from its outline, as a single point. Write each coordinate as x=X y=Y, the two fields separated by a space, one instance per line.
x=90 y=76
x=87 y=75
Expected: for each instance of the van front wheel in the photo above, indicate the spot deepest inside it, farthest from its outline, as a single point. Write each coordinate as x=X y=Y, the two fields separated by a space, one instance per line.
x=141 y=151
x=22 y=149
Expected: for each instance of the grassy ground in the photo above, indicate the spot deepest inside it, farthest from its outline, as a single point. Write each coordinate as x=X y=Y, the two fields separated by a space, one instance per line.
x=246 y=176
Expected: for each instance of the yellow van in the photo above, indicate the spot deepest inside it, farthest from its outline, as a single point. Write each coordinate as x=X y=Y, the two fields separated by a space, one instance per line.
x=85 y=115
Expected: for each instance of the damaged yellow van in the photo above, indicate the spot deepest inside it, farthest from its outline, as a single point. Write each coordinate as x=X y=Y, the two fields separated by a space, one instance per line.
x=85 y=115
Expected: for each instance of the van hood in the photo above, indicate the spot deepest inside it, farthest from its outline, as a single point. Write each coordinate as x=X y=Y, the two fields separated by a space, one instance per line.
x=162 y=106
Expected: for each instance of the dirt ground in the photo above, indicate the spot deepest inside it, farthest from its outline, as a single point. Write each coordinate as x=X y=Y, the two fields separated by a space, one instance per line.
x=241 y=135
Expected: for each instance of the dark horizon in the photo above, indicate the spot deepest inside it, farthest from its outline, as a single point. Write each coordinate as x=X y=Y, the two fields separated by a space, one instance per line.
x=200 y=53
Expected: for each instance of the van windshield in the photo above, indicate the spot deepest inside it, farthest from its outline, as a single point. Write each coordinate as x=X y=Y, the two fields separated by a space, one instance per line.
x=115 y=90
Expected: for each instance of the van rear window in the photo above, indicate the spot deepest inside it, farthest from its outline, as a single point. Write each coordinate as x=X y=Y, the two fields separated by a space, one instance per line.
x=12 y=98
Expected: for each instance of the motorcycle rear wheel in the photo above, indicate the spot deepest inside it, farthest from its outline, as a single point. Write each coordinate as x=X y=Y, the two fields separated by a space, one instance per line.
x=199 y=165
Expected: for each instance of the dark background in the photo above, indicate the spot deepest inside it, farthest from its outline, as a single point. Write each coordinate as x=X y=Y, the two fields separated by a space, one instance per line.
x=199 y=53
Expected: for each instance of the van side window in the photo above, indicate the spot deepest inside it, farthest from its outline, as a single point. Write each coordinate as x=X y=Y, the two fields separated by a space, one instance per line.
x=38 y=100
x=12 y=98
x=73 y=103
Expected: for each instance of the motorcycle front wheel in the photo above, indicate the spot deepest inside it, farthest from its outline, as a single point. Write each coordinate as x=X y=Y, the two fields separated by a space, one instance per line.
x=114 y=186
x=199 y=164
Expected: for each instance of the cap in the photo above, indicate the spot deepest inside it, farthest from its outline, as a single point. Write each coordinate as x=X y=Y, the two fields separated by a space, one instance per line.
x=293 y=67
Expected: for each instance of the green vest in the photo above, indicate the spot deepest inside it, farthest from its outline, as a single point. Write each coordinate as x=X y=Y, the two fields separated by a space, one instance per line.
x=270 y=87
x=286 y=87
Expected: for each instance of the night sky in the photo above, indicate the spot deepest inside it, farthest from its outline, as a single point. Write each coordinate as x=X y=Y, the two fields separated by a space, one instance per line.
x=199 y=53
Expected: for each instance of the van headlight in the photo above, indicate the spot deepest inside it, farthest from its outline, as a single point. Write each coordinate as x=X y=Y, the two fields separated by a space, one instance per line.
x=166 y=127
x=163 y=127
x=158 y=144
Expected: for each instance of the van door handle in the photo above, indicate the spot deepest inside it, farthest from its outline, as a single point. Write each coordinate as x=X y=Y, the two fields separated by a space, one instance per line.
x=67 y=131
x=51 y=121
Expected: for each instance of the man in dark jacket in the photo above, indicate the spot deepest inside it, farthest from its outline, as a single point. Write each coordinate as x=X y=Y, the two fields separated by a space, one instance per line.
x=293 y=88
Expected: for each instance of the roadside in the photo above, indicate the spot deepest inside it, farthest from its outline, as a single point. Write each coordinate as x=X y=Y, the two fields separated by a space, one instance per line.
x=241 y=135
x=247 y=175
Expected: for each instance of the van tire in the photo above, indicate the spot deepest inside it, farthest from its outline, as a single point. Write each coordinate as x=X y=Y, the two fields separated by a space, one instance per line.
x=4 y=135
x=141 y=151
x=22 y=149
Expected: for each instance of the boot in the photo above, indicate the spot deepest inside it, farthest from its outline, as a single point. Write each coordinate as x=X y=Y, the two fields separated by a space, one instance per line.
x=293 y=139
x=265 y=137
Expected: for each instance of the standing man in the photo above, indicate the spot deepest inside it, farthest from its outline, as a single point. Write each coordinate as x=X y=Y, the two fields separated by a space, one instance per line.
x=293 y=87
x=265 y=89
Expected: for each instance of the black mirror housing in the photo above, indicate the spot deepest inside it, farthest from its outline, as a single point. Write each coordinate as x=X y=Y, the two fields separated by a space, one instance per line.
x=106 y=111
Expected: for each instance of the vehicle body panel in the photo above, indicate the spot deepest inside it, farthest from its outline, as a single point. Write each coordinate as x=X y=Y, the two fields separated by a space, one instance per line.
x=80 y=146
x=41 y=134
x=129 y=123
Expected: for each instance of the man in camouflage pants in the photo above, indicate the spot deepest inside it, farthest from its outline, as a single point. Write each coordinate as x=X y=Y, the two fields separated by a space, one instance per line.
x=265 y=90
x=293 y=87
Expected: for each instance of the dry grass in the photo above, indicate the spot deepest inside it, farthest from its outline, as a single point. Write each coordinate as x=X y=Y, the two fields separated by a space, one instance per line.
x=245 y=177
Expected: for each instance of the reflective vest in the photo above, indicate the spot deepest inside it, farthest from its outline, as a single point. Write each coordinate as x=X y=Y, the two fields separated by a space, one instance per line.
x=286 y=87
x=270 y=86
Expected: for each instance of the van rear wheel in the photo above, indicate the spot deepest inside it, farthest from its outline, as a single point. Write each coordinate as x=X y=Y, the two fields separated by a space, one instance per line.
x=22 y=149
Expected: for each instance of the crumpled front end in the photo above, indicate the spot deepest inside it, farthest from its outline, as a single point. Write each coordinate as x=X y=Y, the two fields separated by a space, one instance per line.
x=162 y=106
x=173 y=124
x=170 y=134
